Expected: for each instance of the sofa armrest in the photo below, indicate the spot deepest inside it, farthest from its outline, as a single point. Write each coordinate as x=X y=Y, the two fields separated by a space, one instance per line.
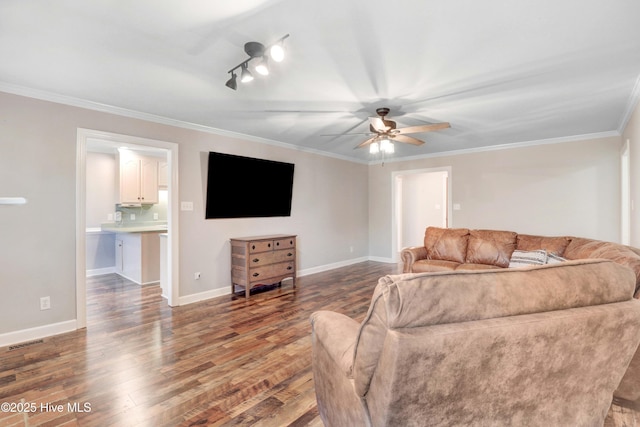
x=411 y=255
x=337 y=333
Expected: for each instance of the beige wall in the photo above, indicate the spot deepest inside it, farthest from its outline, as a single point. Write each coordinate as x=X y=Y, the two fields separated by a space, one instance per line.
x=554 y=189
x=38 y=161
x=632 y=133
x=568 y=188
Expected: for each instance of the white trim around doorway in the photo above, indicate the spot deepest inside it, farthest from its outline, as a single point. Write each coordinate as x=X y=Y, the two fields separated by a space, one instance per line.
x=83 y=137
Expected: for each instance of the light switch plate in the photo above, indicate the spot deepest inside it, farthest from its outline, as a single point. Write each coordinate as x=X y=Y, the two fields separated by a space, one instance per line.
x=186 y=206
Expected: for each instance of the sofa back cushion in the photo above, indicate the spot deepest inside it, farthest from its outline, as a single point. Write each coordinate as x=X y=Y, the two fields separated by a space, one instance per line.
x=424 y=299
x=581 y=248
x=491 y=247
x=448 y=244
x=553 y=245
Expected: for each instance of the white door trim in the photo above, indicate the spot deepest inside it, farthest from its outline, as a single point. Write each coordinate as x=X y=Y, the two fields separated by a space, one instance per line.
x=83 y=136
x=395 y=203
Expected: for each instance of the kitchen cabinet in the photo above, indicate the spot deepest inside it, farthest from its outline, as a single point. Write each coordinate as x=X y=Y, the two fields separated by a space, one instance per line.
x=163 y=176
x=138 y=179
x=138 y=257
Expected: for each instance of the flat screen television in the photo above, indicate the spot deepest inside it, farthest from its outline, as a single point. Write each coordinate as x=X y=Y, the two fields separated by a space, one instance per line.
x=245 y=187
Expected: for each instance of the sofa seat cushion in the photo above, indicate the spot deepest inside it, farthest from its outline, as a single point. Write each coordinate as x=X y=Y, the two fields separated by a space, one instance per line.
x=449 y=244
x=428 y=265
x=491 y=247
x=553 y=245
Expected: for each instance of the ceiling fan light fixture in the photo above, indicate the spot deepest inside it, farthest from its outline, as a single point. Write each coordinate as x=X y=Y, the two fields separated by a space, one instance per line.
x=386 y=146
x=262 y=67
x=245 y=75
x=374 y=148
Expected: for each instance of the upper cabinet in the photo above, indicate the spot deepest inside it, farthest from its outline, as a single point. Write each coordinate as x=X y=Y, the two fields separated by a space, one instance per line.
x=138 y=179
x=163 y=175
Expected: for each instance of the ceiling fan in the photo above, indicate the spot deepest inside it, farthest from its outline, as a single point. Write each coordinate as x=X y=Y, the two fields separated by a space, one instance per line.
x=386 y=130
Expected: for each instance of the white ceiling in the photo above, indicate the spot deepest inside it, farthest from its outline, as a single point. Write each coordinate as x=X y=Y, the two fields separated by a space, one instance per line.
x=500 y=71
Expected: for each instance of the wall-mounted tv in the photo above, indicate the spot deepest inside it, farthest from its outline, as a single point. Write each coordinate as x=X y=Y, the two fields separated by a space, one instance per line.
x=245 y=187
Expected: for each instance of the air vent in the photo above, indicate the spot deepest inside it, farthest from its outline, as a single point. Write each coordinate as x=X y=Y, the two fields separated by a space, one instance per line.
x=25 y=344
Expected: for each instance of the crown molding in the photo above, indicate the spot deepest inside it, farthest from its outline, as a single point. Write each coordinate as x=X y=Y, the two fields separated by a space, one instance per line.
x=124 y=112
x=96 y=106
x=632 y=103
x=509 y=146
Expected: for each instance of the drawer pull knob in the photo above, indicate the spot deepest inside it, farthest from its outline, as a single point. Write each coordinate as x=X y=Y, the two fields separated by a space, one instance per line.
x=256 y=274
x=256 y=259
x=289 y=268
x=277 y=243
x=253 y=246
x=289 y=254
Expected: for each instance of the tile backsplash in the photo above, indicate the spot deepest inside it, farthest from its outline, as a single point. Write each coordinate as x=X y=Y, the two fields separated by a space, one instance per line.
x=145 y=213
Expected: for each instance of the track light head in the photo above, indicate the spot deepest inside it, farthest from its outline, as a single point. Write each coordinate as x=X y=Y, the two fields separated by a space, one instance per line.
x=277 y=52
x=263 y=66
x=232 y=83
x=245 y=75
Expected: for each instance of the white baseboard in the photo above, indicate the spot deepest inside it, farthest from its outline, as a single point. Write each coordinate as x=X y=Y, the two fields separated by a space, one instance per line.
x=36 y=333
x=213 y=293
x=226 y=290
x=100 y=271
x=333 y=266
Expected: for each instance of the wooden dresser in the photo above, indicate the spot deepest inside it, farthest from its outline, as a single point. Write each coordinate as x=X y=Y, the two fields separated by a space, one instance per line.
x=262 y=260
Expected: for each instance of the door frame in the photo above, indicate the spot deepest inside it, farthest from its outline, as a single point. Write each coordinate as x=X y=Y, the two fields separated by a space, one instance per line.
x=83 y=137
x=395 y=203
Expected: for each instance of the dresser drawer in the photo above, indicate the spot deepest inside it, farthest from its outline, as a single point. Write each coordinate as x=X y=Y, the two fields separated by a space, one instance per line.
x=261 y=246
x=269 y=271
x=259 y=259
x=287 y=243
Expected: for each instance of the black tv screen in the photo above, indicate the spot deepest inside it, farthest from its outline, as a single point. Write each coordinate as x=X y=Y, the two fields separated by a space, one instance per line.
x=244 y=187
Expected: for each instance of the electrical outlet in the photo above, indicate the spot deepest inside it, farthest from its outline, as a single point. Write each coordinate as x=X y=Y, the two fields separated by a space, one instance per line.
x=196 y=275
x=109 y=217
x=132 y=217
x=155 y=216
x=118 y=216
x=45 y=303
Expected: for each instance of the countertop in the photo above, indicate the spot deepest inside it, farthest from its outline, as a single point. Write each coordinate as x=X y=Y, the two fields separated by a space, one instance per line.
x=135 y=227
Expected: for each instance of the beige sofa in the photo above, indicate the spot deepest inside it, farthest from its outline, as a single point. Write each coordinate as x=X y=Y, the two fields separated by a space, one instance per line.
x=464 y=249
x=539 y=346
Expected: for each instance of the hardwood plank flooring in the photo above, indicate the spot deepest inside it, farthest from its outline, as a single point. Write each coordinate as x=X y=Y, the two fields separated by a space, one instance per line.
x=222 y=362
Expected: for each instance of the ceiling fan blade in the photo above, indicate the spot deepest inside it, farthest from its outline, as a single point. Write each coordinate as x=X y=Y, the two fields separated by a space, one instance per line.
x=367 y=142
x=407 y=139
x=423 y=128
x=378 y=125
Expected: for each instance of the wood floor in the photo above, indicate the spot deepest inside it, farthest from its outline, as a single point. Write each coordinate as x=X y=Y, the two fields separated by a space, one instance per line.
x=221 y=362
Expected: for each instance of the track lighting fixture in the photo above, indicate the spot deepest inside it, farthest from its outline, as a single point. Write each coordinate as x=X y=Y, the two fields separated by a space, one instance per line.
x=256 y=50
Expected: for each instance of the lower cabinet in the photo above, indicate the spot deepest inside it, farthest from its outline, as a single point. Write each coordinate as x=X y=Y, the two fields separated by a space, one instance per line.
x=138 y=257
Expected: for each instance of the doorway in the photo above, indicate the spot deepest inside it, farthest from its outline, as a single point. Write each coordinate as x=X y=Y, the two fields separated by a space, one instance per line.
x=420 y=198
x=89 y=139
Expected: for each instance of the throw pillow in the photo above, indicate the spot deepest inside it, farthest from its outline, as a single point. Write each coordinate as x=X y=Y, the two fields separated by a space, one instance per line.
x=555 y=259
x=523 y=258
